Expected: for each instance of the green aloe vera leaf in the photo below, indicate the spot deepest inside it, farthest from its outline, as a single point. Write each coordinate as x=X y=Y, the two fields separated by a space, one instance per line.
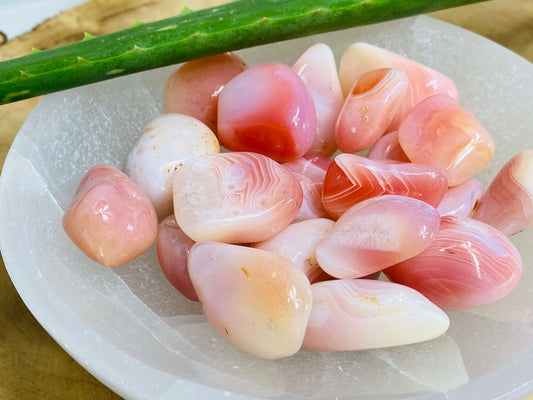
x=191 y=35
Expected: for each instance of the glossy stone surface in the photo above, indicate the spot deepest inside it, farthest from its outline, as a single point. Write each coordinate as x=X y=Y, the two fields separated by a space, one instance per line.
x=388 y=148
x=166 y=143
x=318 y=70
x=370 y=107
x=193 y=88
x=310 y=172
x=375 y=234
x=461 y=200
x=258 y=300
x=468 y=264
x=110 y=219
x=357 y=314
x=249 y=121
x=359 y=58
x=234 y=197
x=298 y=243
x=351 y=179
x=440 y=133
x=508 y=202
x=172 y=249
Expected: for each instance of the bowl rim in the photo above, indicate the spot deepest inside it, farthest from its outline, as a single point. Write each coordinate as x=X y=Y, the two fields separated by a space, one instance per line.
x=55 y=315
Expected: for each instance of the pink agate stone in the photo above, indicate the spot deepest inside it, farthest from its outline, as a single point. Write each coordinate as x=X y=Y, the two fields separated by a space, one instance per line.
x=375 y=234
x=461 y=200
x=357 y=314
x=440 y=133
x=318 y=70
x=468 y=264
x=259 y=301
x=310 y=172
x=351 y=179
x=234 y=197
x=110 y=219
x=508 y=202
x=369 y=108
x=298 y=242
x=172 y=249
x=267 y=109
x=388 y=148
x=423 y=81
x=194 y=87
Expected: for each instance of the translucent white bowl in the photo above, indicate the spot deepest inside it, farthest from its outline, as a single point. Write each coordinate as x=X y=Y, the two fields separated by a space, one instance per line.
x=141 y=338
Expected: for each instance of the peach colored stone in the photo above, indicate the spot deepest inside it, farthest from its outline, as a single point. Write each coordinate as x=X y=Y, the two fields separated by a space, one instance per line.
x=359 y=58
x=440 y=133
x=110 y=219
x=258 y=300
x=194 y=87
x=370 y=108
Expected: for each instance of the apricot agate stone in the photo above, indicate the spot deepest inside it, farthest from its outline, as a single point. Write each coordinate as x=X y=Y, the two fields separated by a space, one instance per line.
x=110 y=218
x=258 y=300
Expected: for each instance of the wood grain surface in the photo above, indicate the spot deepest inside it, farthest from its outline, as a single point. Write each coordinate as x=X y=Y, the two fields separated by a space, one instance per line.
x=32 y=365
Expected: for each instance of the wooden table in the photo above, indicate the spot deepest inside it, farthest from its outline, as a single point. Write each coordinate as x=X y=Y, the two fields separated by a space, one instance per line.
x=32 y=365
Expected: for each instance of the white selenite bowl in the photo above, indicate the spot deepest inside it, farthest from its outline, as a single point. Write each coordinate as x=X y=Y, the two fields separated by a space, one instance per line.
x=140 y=337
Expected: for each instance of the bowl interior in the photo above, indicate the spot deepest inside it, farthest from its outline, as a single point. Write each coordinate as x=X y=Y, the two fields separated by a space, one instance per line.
x=134 y=332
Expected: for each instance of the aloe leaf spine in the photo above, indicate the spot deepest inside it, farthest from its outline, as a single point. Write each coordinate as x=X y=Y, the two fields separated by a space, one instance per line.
x=194 y=34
